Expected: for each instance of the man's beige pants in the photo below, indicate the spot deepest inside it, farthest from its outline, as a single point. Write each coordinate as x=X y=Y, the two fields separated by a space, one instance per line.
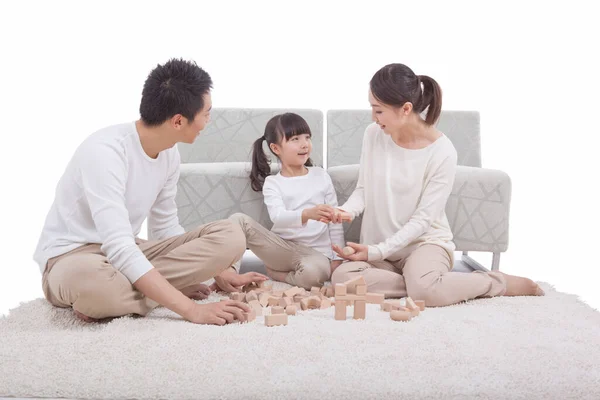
x=85 y=280
x=423 y=275
x=306 y=267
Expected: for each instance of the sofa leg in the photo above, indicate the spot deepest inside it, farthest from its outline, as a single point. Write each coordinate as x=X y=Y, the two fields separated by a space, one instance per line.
x=496 y=262
x=475 y=265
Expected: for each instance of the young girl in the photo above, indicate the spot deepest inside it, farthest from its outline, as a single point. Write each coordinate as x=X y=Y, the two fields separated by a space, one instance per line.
x=406 y=175
x=298 y=249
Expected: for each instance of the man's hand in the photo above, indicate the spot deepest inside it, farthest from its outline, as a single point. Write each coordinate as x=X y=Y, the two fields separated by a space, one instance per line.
x=230 y=281
x=220 y=313
x=317 y=213
x=361 y=252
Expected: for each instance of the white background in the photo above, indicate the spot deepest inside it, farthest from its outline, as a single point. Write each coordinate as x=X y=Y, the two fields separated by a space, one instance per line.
x=68 y=69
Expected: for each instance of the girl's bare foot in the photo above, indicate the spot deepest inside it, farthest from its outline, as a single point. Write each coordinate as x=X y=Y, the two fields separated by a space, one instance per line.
x=85 y=317
x=520 y=286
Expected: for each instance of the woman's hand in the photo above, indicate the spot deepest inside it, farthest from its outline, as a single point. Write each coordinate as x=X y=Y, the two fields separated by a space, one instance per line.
x=361 y=252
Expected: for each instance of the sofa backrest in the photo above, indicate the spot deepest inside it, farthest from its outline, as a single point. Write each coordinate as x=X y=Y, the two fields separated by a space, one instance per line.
x=345 y=130
x=232 y=131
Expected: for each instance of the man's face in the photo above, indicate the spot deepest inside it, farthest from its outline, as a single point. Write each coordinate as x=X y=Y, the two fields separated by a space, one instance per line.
x=190 y=130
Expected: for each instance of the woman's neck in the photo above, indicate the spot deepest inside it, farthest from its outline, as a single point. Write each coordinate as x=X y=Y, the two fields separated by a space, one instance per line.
x=415 y=134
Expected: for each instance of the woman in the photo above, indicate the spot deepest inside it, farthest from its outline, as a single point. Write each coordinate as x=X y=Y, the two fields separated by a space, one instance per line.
x=406 y=175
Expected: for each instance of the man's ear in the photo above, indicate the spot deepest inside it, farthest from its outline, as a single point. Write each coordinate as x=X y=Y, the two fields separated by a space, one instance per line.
x=177 y=121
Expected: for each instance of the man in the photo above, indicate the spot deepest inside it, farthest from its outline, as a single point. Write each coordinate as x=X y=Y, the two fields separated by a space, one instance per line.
x=88 y=251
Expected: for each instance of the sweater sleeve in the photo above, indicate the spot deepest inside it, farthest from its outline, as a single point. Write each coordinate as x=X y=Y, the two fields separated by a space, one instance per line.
x=336 y=231
x=355 y=204
x=433 y=200
x=103 y=173
x=280 y=216
x=163 y=221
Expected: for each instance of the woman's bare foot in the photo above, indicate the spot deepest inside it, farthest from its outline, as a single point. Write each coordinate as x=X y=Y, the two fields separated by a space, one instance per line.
x=84 y=317
x=520 y=286
x=276 y=275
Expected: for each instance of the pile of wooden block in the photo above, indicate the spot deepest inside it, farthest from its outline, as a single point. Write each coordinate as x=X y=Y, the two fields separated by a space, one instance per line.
x=354 y=292
x=403 y=309
x=282 y=303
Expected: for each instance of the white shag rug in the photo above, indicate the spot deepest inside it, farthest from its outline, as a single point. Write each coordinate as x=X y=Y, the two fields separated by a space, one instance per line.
x=501 y=348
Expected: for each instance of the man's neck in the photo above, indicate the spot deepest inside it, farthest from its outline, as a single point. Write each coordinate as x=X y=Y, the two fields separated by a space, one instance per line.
x=153 y=139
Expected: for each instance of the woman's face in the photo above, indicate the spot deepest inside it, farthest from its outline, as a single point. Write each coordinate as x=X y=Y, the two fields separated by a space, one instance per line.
x=388 y=118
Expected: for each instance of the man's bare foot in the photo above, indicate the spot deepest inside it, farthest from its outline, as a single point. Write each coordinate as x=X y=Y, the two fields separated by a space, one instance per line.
x=276 y=275
x=84 y=317
x=520 y=286
x=197 y=292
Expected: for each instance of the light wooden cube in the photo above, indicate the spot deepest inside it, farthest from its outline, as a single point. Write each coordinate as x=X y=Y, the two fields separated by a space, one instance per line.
x=291 y=292
x=361 y=290
x=276 y=319
x=290 y=310
x=277 y=310
x=420 y=304
x=360 y=309
x=340 y=289
x=340 y=310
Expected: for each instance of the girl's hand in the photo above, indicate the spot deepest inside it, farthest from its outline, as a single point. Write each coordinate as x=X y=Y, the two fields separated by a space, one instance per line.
x=337 y=216
x=361 y=252
x=318 y=213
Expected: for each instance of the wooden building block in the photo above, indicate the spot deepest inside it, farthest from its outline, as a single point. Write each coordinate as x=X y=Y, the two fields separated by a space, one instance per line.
x=251 y=296
x=277 y=293
x=256 y=306
x=276 y=319
x=351 y=297
x=361 y=290
x=290 y=310
x=249 y=287
x=340 y=310
x=330 y=291
x=360 y=309
x=352 y=283
x=310 y=303
x=410 y=304
x=250 y=315
x=399 y=315
x=273 y=301
x=291 y=292
x=340 y=290
x=263 y=298
x=389 y=305
x=348 y=251
x=375 y=298
x=420 y=304
x=237 y=296
x=285 y=301
x=325 y=303
x=314 y=291
x=277 y=310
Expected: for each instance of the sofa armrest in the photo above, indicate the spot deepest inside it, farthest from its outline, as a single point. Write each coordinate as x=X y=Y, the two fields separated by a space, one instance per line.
x=478 y=208
x=208 y=192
